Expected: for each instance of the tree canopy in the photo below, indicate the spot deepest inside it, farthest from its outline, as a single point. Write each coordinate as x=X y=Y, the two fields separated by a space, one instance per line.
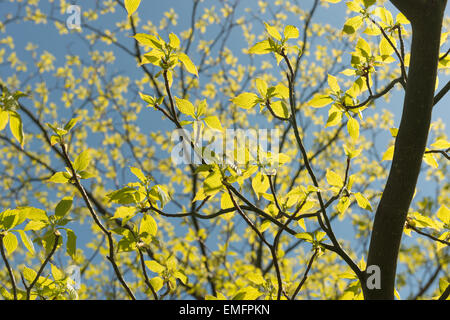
x=114 y=179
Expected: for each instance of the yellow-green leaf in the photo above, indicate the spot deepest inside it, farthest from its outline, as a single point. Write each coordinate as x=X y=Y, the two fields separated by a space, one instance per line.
x=334 y=179
x=10 y=243
x=334 y=117
x=148 y=226
x=82 y=161
x=185 y=107
x=333 y=83
x=213 y=122
x=441 y=144
x=174 y=42
x=188 y=64
x=26 y=241
x=58 y=177
x=290 y=32
x=272 y=31
x=261 y=47
x=320 y=101
x=389 y=154
x=246 y=100
x=155 y=266
x=4 y=116
x=256 y=278
x=139 y=174
x=131 y=6
x=15 y=124
x=260 y=183
x=444 y=214
x=363 y=202
x=261 y=86
x=352 y=24
x=353 y=128
x=282 y=91
x=280 y=109
x=429 y=159
x=63 y=207
x=225 y=201
x=157 y=283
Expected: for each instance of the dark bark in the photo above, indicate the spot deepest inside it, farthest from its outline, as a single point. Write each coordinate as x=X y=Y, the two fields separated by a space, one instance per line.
x=426 y=20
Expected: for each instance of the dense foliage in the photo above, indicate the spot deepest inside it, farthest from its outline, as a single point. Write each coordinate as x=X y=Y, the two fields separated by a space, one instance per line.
x=87 y=177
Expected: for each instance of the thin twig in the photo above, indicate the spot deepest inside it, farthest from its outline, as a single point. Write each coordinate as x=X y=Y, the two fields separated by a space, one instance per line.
x=8 y=267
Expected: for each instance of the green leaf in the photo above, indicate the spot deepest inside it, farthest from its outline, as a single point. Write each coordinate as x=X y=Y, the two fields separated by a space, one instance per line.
x=35 y=225
x=429 y=159
x=281 y=91
x=26 y=241
x=188 y=64
x=9 y=219
x=174 y=42
x=123 y=196
x=246 y=100
x=444 y=214
x=4 y=116
x=305 y=236
x=125 y=213
x=86 y=175
x=58 y=177
x=72 y=122
x=353 y=128
x=155 y=266
x=15 y=124
x=260 y=183
x=63 y=207
x=157 y=283
x=185 y=107
x=261 y=86
x=280 y=109
x=261 y=47
x=201 y=108
x=386 y=49
x=334 y=117
x=319 y=101
x=389 y=154
x=256 y=278
x=35 y=214
x=180 y=276
x=213 y=123
x=148 y=40
x=82 y=161
x=10 y=243
x=364 y=48
x=57 y=274
x=333 y=83
x=148 y=226
x=352 y=25
x=273 y=32
x=131 y=6
x=139 y=174
x=71 y=243
x=54 y=139
x=290 y=32
x=29 y=274
x=441 y=144
x=334 y=179
x=363 y=202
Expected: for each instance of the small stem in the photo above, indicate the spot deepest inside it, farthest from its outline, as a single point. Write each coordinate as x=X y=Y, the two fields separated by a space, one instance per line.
x=305 y=276
x=97 y=221
x=41 y=269
x=8 y=267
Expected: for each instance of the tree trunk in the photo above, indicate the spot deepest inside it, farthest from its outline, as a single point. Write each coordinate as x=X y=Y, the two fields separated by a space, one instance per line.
x=426 y=19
